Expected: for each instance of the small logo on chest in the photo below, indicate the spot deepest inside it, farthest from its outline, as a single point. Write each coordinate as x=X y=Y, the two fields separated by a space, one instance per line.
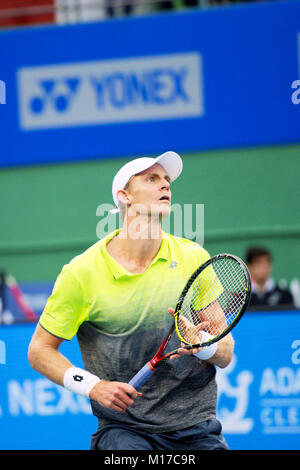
x=173 y=265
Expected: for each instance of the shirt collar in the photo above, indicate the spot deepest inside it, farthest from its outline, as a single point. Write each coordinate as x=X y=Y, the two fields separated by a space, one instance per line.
x=118 y=270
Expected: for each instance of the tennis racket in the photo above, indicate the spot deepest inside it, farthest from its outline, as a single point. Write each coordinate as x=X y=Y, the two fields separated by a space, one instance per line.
x=213 y=300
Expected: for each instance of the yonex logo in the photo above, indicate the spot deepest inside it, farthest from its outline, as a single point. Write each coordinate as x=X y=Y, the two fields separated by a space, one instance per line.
x=2 y=92
x=56 y=93
x=124 y=89
x=113 y=91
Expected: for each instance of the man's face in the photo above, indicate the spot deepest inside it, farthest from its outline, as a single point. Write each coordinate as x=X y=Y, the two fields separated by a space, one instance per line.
x=149 y=192
x=260 y=268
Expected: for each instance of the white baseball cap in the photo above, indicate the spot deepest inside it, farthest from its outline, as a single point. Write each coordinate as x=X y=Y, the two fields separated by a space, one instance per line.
x=170 y=161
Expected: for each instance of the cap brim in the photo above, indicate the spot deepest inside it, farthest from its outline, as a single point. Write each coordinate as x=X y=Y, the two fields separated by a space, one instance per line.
x=172 y=163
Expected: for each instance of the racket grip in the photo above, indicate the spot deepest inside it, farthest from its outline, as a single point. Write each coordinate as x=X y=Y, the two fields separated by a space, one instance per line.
x=142 y=376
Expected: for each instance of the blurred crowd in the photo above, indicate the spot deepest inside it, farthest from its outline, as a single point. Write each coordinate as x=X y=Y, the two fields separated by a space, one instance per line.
x=29 y=12
x=127 y=7
x=132 y=7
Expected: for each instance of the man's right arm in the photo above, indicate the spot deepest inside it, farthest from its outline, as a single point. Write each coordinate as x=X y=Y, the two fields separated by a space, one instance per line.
x=45 y=358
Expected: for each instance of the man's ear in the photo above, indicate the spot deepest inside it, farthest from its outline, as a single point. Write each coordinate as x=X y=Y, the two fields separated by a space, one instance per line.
x=124 y=197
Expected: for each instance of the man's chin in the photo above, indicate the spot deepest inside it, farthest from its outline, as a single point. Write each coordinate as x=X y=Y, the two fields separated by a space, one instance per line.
x=155 y=211
x=164 y=211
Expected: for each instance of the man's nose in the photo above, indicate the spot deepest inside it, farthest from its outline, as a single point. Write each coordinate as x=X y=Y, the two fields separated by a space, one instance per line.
x=165 y=184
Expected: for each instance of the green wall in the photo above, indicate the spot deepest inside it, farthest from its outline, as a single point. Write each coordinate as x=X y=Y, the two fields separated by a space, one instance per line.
x=250 y=196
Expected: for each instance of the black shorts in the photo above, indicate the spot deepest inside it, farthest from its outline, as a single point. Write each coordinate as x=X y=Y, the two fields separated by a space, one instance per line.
x=203 y=436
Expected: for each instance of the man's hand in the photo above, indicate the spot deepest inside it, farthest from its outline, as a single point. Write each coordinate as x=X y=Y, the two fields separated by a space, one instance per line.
x=116 y=396
x=194 y=331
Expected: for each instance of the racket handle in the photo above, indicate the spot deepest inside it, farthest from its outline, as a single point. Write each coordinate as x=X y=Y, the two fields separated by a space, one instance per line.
x=142 y=376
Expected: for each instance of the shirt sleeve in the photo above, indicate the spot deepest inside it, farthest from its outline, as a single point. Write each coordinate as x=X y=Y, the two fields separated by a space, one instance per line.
x=66 y=308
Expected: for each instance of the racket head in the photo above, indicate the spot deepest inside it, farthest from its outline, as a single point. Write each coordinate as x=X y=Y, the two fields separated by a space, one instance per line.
x=222 y=303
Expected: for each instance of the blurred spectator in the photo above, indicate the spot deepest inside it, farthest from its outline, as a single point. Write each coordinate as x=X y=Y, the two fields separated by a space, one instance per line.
x=265 y=292
x=175 y=4
x=117 y=7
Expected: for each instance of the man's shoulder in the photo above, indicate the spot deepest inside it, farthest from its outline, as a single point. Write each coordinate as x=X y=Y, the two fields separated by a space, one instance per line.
x=85 y=261
x=187 y=246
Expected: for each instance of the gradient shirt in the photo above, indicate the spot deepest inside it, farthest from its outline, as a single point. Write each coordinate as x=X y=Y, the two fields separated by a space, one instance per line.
x=121 y=318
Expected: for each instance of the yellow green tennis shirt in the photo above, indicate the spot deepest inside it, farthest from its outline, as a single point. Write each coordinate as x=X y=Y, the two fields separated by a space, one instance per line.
x=121 y=318
x=94 y=287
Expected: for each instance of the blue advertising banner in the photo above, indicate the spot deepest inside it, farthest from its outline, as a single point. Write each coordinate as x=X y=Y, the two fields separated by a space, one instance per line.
x=259 y=392
x=34 y=412
x=145 y=85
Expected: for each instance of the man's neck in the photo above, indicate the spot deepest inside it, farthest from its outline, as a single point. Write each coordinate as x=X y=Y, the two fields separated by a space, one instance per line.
x=137 y=244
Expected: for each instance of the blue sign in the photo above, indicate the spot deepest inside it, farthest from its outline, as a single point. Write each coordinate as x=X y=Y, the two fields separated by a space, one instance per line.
x=145 y=85
x=258 y=404
x=259 y=392
x=34 y=412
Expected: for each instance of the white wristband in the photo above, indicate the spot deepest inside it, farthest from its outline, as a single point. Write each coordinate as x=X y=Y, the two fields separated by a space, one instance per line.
x=80 y=381
x=207 y=351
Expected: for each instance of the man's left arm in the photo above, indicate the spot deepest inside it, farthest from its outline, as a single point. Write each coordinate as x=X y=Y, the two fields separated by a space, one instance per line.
x=224 y=352
x=215 y=319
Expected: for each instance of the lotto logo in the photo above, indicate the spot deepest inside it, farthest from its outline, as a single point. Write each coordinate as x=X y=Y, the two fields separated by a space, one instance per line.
x=78 y=378
x=139 y=89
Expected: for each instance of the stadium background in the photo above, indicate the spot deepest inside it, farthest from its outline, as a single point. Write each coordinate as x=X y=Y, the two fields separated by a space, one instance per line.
x=241 y=152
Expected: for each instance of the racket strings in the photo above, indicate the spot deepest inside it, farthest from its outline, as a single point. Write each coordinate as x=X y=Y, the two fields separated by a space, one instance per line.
x=217 y=295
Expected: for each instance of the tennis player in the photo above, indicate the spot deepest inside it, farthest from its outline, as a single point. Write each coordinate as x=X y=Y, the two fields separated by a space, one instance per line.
x=118 y=297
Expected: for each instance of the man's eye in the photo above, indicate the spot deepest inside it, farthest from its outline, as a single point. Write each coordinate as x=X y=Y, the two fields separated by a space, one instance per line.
x=151 y=179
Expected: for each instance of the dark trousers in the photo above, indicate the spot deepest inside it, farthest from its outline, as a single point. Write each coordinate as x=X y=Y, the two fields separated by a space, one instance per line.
x=203 y=436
